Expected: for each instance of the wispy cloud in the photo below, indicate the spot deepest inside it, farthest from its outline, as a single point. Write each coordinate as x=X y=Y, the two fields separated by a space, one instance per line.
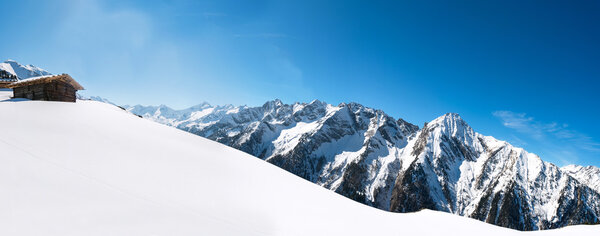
x=520 y=122
x=538 y=130
x=514 y=140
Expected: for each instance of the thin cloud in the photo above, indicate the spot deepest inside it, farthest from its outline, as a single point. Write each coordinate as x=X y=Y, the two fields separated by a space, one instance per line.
x=522 y=123
x=514 y=140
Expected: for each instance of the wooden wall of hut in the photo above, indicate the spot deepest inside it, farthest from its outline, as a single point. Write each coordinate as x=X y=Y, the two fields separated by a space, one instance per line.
x=54 y=91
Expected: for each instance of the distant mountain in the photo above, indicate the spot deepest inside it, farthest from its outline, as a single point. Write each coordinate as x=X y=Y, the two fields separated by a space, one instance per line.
x=370 y=157
x=21 y=71
x=96 y=98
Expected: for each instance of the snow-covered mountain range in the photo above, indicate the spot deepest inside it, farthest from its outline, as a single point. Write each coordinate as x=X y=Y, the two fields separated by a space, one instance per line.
x=370 y=157
x=21 y=72
x=90 y=168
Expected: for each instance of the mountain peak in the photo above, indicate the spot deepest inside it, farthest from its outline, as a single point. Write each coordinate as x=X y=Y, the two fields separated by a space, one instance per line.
x=21 y=71
x=449 y=118
x=452 y=115
x=451 y=124
x=353 y=106
x=317 y=101
x=272 y=105
x=13 y=62
x=200 y=106
x=314 y=104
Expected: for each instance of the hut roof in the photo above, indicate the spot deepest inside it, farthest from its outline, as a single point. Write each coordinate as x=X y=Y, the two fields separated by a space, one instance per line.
x=47 y=79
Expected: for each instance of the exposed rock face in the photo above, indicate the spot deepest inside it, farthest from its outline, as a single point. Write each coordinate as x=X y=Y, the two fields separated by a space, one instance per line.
x=588 y=175
x=458 y=170
x=368 y=156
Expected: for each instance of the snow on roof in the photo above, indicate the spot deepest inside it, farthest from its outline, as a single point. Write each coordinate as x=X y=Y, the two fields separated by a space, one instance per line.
x=46 y=79
x=33 y=79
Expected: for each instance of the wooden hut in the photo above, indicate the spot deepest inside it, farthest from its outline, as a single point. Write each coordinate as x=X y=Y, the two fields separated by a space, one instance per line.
x=48 y=88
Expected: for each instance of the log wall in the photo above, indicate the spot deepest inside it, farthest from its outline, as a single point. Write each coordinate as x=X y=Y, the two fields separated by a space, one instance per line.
x=53 y=91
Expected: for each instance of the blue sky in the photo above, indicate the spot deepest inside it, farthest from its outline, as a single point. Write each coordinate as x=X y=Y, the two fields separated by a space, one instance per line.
x=522 y=71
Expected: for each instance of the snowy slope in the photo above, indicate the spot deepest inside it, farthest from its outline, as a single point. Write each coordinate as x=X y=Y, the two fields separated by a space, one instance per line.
x=90 y=168
x=5 y=94
x=370 y=157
